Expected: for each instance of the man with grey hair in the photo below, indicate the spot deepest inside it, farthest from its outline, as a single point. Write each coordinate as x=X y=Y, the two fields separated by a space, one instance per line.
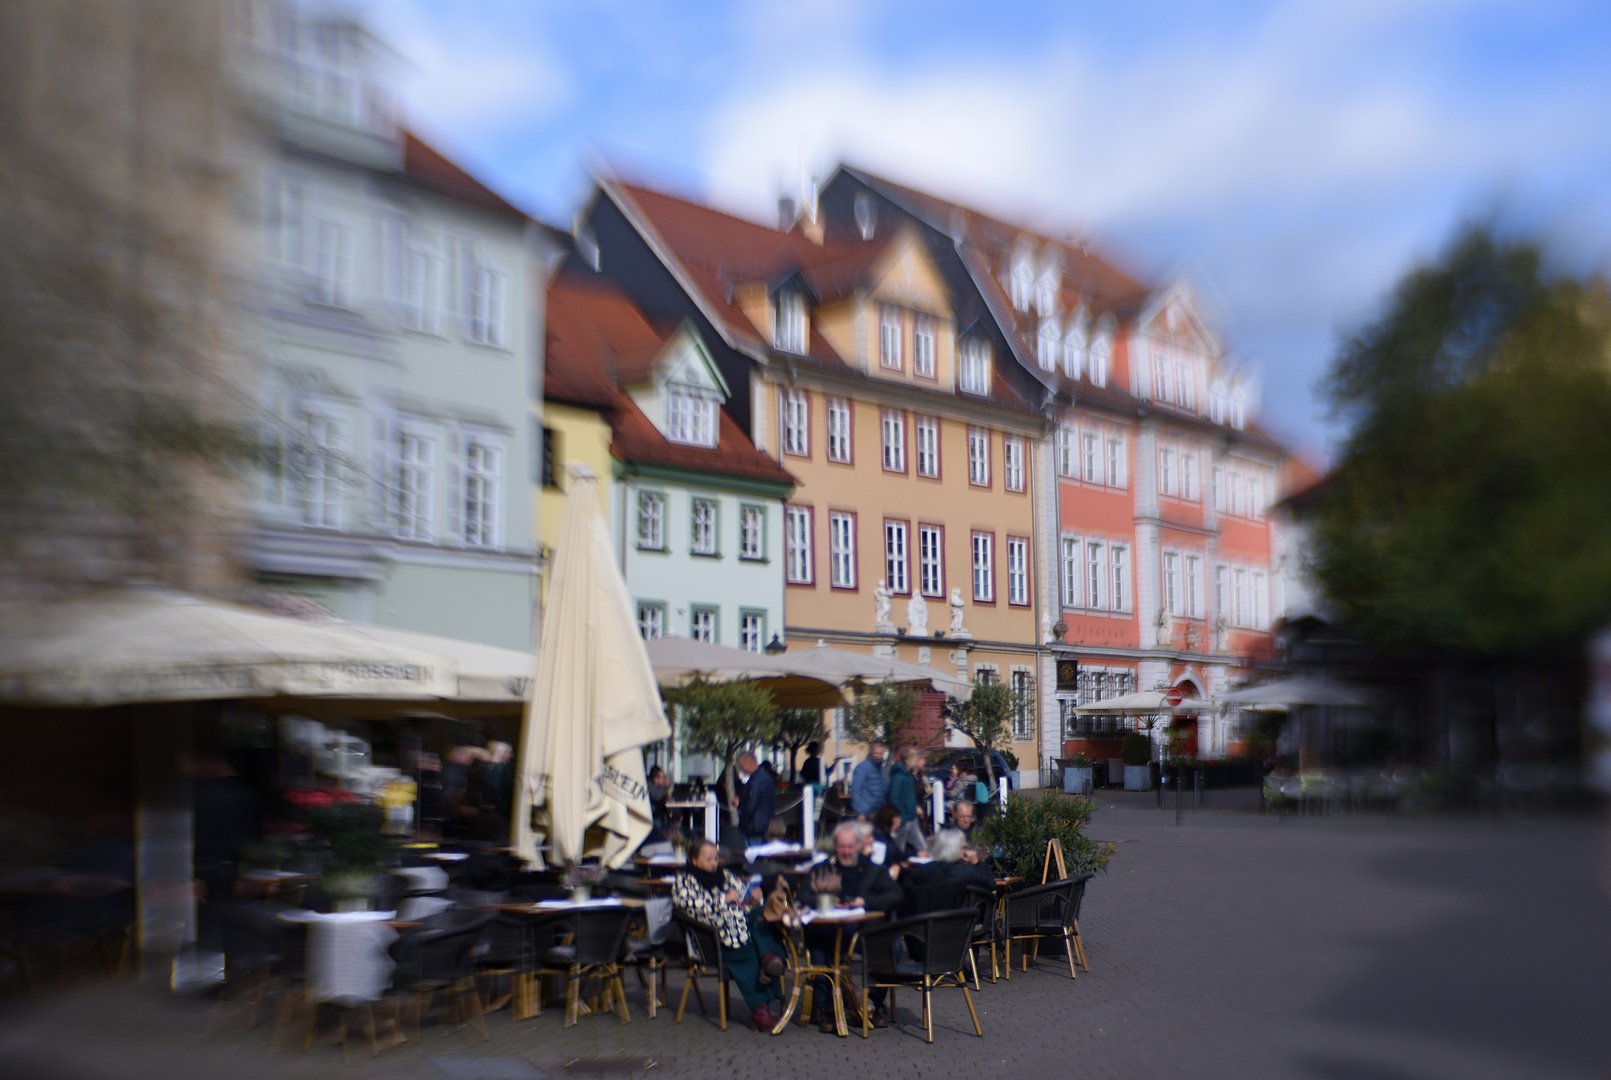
x=862 y=883
x=949 y=865
x=756 y=799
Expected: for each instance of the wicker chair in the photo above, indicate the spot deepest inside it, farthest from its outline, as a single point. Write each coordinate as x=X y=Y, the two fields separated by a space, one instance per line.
x=1046 y=911
x=925 y=951
x=593 y=951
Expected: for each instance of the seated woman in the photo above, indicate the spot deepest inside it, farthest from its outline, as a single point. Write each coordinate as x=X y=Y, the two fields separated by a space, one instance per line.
x=886 y=821
x=724 y=902
x=948 y=851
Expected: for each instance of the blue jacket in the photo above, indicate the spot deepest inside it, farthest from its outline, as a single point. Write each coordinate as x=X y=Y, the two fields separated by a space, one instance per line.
x=756 y=803
x=902 y=794
x=867 y=786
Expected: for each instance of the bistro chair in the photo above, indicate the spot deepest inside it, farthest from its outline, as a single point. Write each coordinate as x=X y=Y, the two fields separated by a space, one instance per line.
x=593 y=951
x=1046 y=911
x=704 y=957
x=926 y=952
x=442 y=960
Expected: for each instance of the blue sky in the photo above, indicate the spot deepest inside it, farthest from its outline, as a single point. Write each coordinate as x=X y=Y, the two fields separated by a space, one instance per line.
x=1291 y=159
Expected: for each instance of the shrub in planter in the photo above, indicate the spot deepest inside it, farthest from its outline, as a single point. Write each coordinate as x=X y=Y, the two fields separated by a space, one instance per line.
x=1019 y=833
x=1137 y=749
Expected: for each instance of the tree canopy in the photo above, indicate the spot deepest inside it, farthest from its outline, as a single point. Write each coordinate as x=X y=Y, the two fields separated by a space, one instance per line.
x=723 y=718
x=882 y=713
x=985 y=719
x=1471 y=506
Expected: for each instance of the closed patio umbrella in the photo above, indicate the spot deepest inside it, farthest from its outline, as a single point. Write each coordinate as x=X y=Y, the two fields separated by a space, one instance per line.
x=593 y=705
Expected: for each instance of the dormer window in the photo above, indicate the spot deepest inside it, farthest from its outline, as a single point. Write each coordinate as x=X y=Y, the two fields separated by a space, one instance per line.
x=1238 y=416
x=889 y=337
x=973 y=369
x=1218 y=402
x=1023 y=284
x=789 y=330
x=1074 y=350
x=690 y=416
x=1048 y=344
x=1046 y=292
x=1101 y=355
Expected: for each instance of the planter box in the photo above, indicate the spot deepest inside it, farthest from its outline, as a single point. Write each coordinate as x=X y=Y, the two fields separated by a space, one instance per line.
x=1115 y=771
x=1138 y=778
x=1024 y=779
x=1077 y=781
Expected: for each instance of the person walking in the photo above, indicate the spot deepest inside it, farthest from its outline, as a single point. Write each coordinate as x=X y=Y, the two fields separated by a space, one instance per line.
x=902 y=795
x=756 y=799
x=868 y=784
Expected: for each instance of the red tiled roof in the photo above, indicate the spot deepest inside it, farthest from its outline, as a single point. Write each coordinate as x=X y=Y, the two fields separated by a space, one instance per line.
x=597 y=339
x=427 y=168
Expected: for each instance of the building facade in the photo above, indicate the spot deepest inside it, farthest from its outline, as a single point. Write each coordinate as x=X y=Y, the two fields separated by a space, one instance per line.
x=402 y=321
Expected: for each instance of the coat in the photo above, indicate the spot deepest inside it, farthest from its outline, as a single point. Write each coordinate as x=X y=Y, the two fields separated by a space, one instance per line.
x=867 y=880
x=757 y=800
x=867 y=786
x=710 y=906
x=902 y=793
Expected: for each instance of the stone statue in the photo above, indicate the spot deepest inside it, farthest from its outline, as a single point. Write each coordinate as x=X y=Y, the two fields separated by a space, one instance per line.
x=957 y=629
x=917 y=616
x=1166 y=627
x=1046 y=629
x=1222 y=634
x=881 y=621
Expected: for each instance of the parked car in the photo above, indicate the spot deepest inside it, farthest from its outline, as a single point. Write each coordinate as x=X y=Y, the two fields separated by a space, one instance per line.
x=972 y=761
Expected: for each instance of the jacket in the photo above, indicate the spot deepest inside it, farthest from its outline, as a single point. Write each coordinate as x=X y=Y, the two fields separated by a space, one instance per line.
x=710 y=906
x=757 y=800
x=867 y=786
x=867 y=880
x=902 y=794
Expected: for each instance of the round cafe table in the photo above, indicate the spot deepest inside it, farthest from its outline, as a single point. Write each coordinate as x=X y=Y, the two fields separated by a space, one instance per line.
x=836 y=970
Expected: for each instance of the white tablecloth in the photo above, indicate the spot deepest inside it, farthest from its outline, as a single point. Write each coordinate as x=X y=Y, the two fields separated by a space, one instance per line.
x=423 y=878
x=347 y=959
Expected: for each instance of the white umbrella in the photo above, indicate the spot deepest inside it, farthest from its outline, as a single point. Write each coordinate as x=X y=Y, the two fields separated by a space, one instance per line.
x=594 y=704
x=848 y=668
x=1143 y=703
x=678 y=661
x=1298 y=691
x=151 y=643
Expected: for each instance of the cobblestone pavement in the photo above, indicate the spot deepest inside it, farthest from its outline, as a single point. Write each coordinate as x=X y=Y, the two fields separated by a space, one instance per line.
x=1238 y=945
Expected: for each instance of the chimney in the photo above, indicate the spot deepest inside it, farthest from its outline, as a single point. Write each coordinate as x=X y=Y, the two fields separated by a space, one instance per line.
x=786 y=212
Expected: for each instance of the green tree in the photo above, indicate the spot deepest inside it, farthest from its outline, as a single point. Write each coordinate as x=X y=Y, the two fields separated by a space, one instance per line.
x=796 y=728
x=724 y=718
x=985 y=719
x=882 y=713
x=1471 y=506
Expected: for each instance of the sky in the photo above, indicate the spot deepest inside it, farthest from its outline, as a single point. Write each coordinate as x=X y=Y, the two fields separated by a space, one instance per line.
x=1289 y=160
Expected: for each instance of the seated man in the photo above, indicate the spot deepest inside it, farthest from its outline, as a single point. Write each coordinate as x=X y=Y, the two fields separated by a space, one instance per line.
x=861 y=883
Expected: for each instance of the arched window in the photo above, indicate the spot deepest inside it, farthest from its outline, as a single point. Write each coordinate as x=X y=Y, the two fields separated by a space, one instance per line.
x=1074 y=346
x=1023 y=284
x=1048 y=344
x=1101 y=355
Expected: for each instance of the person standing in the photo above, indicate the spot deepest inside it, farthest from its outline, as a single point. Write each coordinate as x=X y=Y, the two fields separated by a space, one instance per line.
x=868 y=784
x=811 y=771
x=902 y=796
x=756 y=799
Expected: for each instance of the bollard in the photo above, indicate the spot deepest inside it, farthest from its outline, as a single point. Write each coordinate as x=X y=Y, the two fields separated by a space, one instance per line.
x=1001 y=789
x=808 y=817
x=1177 y=798
x=936 y=804
x=711 y=822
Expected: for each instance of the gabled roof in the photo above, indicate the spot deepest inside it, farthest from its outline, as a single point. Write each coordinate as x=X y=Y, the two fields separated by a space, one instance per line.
x=425 y=167
x=598 y=340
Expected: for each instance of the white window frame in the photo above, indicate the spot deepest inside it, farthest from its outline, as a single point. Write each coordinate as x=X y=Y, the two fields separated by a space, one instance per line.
x=1012 y=462
x=979 y=456
x=1048 y=344
x=841 y=550
x=422 y=291
x=704 y=623
x=704 y=521
x=1188 y=476
x=1119 y=584
x=651 y=521
x=923 y=346
x=1192 y=584
x=1101 y=359
x=1172 y=601
x=751 y=630
x=1116 y=462
x=973 y=368
x=691 y=416
x=897 y=556
x=1074 y=352
x=1095 y=573
x=889 y=338
x=799 y=566
x=789 y=330
x=931 y=559
x=1090 y=447
x=334 y=253
x=927 y=437
x=1067 y=451
x=752 y=532
x=1017 y=570
x=892 y=428
x=488 y=306
x=319 y=474
x=840 y=446
x=1023 y=284
x=795 y=407
x=1022 y=681
x=480 y=491
x=1166 y=471
x=651 y=621
x=1217 y=488
x=983 y=548
x=1073 y=570
x=410 y=489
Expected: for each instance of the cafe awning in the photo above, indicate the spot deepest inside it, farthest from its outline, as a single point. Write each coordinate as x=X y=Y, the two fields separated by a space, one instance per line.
x=678 y=660
x=1144 y=703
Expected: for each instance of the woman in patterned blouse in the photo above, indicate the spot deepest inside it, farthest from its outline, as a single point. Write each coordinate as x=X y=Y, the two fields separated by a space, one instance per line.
x=722 y=901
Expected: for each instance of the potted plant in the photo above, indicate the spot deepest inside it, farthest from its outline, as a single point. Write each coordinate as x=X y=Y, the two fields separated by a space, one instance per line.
x=1077 y=774
x=1136 y=753
x=350 y=828
x=582 y=880
x=1016 y=837
x=826 y=884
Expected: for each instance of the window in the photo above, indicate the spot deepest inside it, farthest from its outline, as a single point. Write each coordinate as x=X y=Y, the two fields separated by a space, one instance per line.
x=319 y=472
x=798 y=563
x=928 y=446
x=1160 y=377
x=889 y=336
x=1217 y=402
x=1166 y=471
x=790 y=330
x=1240 y=614
x=894 y=436
x=1188 y=476
x=896 y=565
x=1012 y=463
x=333 y=264
x=289 y=204
x=1095 y=573
x=1120 y=594
x=1090 y=447
x=690 y=417
x=1023 y=284
x=422 y=287
x=838 y=430
x=1066 y=437
x=703 y=538
x=1261 y=601
x=1217 y=483
x=1101 y=351
x=923 y=347
x=1238 y=409
x=752 y=532
x=1238 y=495
x=1194 y=586
x=1116 y=463
x=1074 y=351
x=409 y=510
x=1255 y=497
x=702 y=624
x=986 y=675
x=1047 y=345
x=1046 y=291
x=752 y=631
x=984 y=557
x=1171 y=583
x=973 y=374
x=481 y=467
x=487 y=307
x=931 y=559
x=796 y=422
x=1023 y=704
x=1017 y=570
x=842 y=551
x=1071 y=571
x=1185 y=386
x=651 y=521
x=651 y=621
x=978 y=457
